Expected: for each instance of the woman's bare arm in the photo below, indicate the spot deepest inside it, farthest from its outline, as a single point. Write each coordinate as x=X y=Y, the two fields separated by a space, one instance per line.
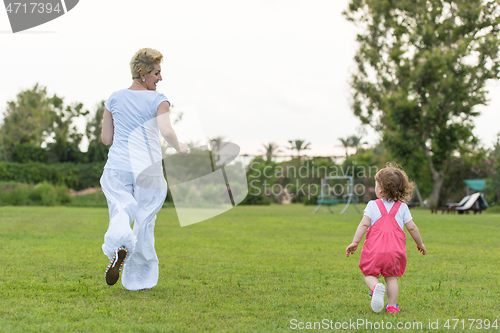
x=107 y=128
x=166 y=130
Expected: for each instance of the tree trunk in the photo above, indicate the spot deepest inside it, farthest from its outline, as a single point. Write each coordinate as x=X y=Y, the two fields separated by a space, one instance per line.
x=367 y=195
x=438 y=179
x=420 y=201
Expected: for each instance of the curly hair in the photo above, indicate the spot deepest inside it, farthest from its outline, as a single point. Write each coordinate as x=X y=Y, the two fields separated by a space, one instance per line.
x=394 y=183
x=144 y=60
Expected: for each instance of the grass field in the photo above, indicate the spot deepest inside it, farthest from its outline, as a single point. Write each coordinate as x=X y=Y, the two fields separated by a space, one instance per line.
x=252 y=269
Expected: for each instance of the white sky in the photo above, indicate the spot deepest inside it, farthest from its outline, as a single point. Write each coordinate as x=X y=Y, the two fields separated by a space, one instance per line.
x=260 y=71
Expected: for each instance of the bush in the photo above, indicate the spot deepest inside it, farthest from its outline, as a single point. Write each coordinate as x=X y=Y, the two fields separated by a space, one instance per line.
x=310 y=200
x=72 y=175
x=89 y=200
x=20 y=194
x=62 y=195
x=253 y=199
x=44 y=194
x=15 y=194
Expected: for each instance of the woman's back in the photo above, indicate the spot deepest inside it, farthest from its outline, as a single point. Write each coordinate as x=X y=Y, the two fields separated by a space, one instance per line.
x=135 y=140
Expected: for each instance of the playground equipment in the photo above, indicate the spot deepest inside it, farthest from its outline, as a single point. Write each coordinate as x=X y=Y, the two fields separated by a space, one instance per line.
x=328 y=200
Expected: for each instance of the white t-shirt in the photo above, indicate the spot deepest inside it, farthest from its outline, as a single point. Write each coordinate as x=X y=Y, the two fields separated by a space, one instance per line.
x=403 y=215
x=136 y=145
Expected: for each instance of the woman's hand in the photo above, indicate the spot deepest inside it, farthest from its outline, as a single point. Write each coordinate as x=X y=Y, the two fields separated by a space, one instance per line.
x=183 y=148
x=351 y=249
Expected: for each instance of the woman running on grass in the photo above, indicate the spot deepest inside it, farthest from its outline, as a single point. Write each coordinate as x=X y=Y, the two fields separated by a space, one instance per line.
x=133 y=180
x=384 y=250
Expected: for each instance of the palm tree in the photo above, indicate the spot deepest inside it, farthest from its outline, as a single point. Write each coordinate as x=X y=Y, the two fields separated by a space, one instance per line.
x=355 y=141
x=217 y=141
x=298 y=145
x=346 y=143
x=271 y=150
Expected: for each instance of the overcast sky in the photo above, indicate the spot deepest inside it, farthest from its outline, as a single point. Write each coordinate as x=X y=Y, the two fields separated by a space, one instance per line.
x=256 y=72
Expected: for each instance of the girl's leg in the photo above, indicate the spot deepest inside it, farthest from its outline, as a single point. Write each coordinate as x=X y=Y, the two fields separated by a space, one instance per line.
x=371 y=281
x=392 y=290
x=378 y=292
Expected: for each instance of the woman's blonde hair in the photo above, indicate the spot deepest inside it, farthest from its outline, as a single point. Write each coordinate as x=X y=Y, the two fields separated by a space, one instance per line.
x=144 y=60
x=394 y=183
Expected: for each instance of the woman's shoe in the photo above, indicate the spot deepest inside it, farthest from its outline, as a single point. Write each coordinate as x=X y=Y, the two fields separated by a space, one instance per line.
x=115 y=266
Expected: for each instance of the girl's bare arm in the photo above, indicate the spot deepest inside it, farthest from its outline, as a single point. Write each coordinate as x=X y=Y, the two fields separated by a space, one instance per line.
x=415 y=234
x=360 y=232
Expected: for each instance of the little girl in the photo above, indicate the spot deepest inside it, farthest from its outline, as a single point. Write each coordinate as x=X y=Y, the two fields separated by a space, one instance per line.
x=384 y=250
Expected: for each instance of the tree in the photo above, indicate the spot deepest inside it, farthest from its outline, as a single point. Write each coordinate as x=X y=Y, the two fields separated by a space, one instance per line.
x=97 y=151
x=493 y=163
x=271 y=150
x=2 y=149
x=346 y=143
x=28 y=122
x=34 y=121
x=299 y=145
x=217 y=141
x=355 y=141
x=351 y=141
x=422 y=69
x=65 y=147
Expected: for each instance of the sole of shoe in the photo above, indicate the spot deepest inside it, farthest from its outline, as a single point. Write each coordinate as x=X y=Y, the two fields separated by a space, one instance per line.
x=113 y=273
x=378 y=298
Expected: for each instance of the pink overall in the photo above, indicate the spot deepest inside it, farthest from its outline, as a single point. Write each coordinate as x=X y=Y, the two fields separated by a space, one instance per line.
x=384 y=250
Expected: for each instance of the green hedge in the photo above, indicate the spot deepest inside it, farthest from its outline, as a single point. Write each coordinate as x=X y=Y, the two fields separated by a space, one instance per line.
x=74 y=176
x=44 y=194
x=254 y=199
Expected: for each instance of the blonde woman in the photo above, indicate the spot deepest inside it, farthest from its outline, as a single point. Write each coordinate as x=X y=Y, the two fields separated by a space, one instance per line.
x=132 y=180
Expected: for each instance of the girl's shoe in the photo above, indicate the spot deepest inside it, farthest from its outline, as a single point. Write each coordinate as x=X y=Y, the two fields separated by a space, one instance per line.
x=115 y=266
x=378 y=293
x=392 y=308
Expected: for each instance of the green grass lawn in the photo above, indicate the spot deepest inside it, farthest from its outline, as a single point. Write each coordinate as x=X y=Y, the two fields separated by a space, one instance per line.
x=252 y=269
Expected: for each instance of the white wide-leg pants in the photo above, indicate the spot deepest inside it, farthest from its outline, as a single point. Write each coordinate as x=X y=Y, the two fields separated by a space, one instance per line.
x=127 y=204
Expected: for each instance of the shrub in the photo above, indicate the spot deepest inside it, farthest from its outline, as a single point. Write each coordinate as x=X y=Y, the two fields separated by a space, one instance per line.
x=44 y=194
x=89 y=200
x=15 y=194
x=72 y=175
x=20 y=194
x=310 y=200
x=254 y=199
x=62 y=195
